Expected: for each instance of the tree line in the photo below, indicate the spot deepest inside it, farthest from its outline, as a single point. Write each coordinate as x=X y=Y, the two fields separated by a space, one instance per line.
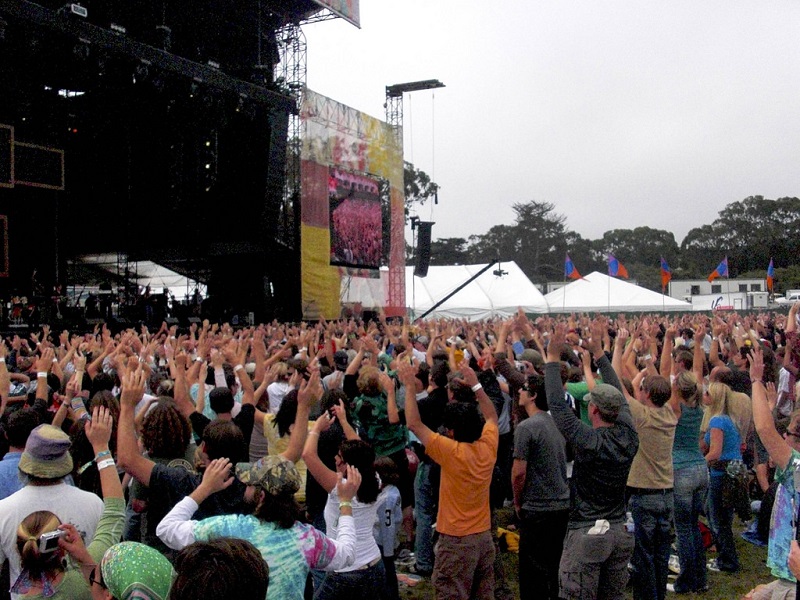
x=749 y=232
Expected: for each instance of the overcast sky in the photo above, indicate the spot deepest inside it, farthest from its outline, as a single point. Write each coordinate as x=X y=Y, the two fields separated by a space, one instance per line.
x=622 y=113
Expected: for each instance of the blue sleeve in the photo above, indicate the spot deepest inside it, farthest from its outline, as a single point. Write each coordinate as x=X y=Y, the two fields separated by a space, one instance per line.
x=518 y=348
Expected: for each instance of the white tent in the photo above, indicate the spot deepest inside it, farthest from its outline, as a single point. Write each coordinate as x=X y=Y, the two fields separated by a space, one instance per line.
x=485 y=297
x=598 y=292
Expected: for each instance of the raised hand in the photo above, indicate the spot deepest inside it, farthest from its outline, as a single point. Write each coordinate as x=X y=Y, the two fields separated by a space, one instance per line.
x=346 y=489
x=98 y=430
x=217 y=475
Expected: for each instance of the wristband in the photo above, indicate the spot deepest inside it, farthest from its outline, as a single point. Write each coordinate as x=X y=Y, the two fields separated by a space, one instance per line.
x=313 y=433
x=238 y=368
x=761 y=381
x=102 y=454
x=109 y=462
x=41 y=374
x=55 y=360
x=476 y=387
x=84 y=467
x=345 y=503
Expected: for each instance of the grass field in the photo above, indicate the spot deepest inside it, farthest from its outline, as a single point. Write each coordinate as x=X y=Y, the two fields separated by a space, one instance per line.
x=722 y=585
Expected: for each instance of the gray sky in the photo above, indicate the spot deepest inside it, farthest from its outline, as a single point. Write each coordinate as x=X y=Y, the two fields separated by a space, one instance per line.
x=622 y=113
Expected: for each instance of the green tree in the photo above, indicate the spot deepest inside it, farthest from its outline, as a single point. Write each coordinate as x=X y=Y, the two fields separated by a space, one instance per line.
x=640 y=246
x=536 y=241
x=450 y=251
x=749 y=232
x=417 y=186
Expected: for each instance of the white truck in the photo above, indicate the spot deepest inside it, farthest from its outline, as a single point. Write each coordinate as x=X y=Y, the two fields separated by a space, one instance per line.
x=791 y=297
x=721 y=301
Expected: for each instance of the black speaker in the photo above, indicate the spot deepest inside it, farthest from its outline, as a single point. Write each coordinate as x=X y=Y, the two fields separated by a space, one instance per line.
x=423 y=248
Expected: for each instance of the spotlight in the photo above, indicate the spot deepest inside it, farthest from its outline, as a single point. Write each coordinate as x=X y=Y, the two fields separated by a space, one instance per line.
x=81 y=49
x=164 y=38
x=75 y=9
x=141 y=72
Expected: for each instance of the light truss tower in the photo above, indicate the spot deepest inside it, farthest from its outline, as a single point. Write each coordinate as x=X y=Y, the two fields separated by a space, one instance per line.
x=290 y=76
x=394 y=117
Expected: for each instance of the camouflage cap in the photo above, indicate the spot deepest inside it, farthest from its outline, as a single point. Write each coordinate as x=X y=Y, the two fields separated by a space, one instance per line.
x=274 y=473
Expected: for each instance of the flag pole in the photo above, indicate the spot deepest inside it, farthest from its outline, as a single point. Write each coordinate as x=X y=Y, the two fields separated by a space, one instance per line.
x=728 y=277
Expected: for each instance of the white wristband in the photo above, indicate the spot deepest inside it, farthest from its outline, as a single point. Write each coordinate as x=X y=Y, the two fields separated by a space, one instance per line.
x=109 y=462
x=476 y=387
x=41 y=374
x=238 y=368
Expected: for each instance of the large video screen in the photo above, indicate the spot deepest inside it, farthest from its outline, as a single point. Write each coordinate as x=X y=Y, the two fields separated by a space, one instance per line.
x=355 y=220
x=347 y=9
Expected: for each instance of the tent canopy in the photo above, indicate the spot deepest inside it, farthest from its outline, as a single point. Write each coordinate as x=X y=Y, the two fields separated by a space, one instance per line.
x=485 y=297
x=597 y=292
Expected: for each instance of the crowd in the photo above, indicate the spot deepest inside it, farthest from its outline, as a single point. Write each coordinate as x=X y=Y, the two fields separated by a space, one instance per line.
x=338 y=459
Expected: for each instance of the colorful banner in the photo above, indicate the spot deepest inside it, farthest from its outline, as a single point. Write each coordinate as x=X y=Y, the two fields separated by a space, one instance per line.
x=355 y=220
x=570 y=272
x=616 y=268
x=340 y=141
x=720 y=271
x=347 y=9
x=666 y=274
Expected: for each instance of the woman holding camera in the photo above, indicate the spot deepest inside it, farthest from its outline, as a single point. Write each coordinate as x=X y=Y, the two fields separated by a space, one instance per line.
x=44 y=542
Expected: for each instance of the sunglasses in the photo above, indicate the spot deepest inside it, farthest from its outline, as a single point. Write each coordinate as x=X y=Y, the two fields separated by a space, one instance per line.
x=92 y=579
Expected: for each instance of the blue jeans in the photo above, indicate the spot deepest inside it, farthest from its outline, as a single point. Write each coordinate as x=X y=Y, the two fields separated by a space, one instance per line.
x=691 y=487
x=425 y=505
x=721 y=521
x=652 y=518
x=362 y=583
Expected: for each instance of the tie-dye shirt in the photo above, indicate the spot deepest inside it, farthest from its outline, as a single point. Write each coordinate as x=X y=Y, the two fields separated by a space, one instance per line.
x=290 y=553
x=780 y=525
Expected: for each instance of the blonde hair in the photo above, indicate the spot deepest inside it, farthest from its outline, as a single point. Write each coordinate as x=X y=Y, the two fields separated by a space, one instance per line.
x=369 y=381
x=720 y=395
x=687 y=388
x=724 y=401
x=28 y=532
x=281 y=371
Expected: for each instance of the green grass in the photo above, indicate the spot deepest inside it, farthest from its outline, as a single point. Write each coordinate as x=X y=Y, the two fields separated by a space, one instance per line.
x=722 y=585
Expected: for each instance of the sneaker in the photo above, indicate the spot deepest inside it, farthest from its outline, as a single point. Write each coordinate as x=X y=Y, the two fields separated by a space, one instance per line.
x=404 y=558
x=713 y=566
x=674 y=564
x=409 y=580
x=415 y=570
